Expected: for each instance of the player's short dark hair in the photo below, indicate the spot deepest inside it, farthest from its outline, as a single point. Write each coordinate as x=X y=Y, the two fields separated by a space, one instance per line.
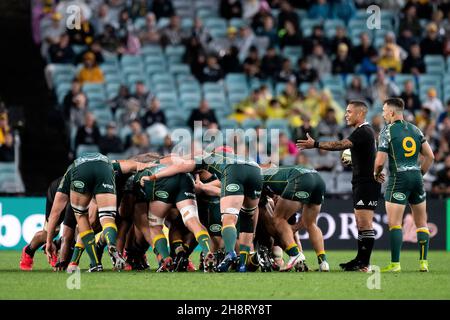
x=359 y=104
x=397 y=103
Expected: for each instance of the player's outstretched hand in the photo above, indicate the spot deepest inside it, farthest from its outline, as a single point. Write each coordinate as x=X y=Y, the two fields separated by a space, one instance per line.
x=50 y=250
x=147 y=178
x=306 y=144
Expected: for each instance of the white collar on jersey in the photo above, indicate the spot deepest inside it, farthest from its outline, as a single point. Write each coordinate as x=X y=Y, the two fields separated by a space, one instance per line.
x=363 y=124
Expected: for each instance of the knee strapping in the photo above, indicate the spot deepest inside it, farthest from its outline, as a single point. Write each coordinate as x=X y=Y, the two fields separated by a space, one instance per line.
x=107 y=212
x=155 y=221
x=232 y=211
x=188 y=213
x=79 y=210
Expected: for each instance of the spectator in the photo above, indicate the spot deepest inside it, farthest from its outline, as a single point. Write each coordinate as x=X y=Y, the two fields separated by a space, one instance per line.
x=154 y=114
x=414 y=63
x=95 y=48
x=142 y=95
x=289 y=36
x=200 y=32
x=245 y=41
x=173 y=34
x=410 y=22
x=131 y=113
x=230 y=61
x=110 y=142
x=7 y=148
x=274 y=110
x=163 y=8
x=250 y=8
x=390 y=43
x=382 y=87
x=305 y=73
x=364 y=50
x=203 y=114
x=286 y=73
x=328 y=126
x=4 y=126
x=268 y=30
x=252 y=63
x=324 y=160
x=317 y=37
x=78 y=110
x=149 y=34
x=102 y=18
x=320 y=61
x=90 y=72
x=51 y=34
x=343 y=9
x=69 y=102
x=212 y=72
x=433 y=103
x=61 y=52
x=299 y=133
x=432 y=43
x=84 y=35
x=167 y=146
x=445 y=114
x=109 y=41
x=320 y=10
x=230 y=9
x=442 y=183
x=303 y=160
x=289 y=95
x=340 y=37
x=287 y=150
x=88 y=133
x=343 y=63
x=388 y=59
x=120 y=101
x=193 y=49
x=356 y=91
x=270 y=64
x=287 y=13
x=137 y=141
x=424 y=119
x=412 y=101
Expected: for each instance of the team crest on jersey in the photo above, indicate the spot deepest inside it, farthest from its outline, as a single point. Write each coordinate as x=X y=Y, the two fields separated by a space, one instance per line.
x=232 y=187
x=215 y=227
x=399 y=196
x=78 y=184
x=162 y=194
x=302 y=194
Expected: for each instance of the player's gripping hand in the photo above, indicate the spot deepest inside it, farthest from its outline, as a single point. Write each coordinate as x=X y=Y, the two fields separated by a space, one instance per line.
x=147 y=178
x=50 y=251
x=380 y=178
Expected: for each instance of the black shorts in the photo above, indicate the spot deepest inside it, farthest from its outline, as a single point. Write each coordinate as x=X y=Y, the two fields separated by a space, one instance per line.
x=366 y=195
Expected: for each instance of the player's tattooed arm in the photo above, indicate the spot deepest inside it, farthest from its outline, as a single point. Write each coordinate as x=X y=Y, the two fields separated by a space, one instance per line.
x=310 y=143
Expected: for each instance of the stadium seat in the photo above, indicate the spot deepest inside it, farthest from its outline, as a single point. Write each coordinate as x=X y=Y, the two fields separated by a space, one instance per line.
x=293 y=50
x=103 y=117
x=152 y=50
x=251 y=124
x=228 y=124
x=310 y=23
x=131 y=60
x=179 y=69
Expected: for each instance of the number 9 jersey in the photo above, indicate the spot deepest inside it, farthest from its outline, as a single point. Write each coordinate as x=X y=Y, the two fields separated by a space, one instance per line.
x=402 y=141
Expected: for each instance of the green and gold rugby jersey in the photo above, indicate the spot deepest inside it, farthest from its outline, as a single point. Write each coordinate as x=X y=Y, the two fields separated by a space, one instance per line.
x=402 y=141
x=64 y=184
x=217 y=163
x=88 y=157
x=277 y=178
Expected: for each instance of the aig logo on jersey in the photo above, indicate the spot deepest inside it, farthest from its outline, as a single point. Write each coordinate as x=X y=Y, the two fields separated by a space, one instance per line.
x=302 y=194
x=232 y=187
x=162 y=194
x=399 y=196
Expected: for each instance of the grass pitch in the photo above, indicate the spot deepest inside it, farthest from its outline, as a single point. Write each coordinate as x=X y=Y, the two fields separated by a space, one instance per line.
x=42 y=283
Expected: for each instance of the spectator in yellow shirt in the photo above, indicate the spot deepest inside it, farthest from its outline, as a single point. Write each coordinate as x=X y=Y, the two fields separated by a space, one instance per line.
x=389 y=61
x=274 y=110
x=90 y=72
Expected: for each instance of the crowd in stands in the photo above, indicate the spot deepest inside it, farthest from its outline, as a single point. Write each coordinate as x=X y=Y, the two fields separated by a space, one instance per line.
x=295 y=61
x=6 y=136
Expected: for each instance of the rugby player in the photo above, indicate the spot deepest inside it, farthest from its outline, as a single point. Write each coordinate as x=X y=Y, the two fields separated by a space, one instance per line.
x=403 y=142
x=241 y=186
x=161 y=195
x=92 y=176
x=298 y=188
x=366 y=190
x=40 y=238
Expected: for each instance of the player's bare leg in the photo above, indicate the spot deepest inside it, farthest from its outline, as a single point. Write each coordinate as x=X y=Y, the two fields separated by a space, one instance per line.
x=309 y=218
x=423 y=233
x=157 y=212
x=395 y=217
x=26 y=261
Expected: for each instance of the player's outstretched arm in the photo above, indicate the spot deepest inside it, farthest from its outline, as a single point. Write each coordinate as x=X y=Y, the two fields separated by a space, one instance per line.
x=211 y=188
x=310 y=143
x=59 y=204
x=127 y=166
x=428 y=157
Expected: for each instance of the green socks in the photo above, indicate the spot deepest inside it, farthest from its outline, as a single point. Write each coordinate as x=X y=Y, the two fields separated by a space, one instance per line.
x=423 y=239
x=110 y=233
x=88 y=239
x=77 y=252
x=292 y=250
x=321 y=256
x=229 y=234
x=203 y=240
x=244 y=252
x=396 y=239
x=160 y=243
